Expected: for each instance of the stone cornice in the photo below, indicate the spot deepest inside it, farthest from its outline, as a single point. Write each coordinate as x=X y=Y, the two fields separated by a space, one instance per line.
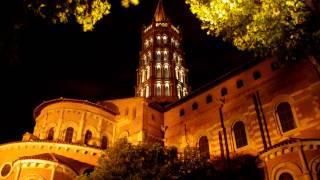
x=38 y=109
x=288 y=146
x=49 y=147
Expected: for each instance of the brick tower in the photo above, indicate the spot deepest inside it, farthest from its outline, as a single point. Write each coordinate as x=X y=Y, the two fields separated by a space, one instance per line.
x=162 y=75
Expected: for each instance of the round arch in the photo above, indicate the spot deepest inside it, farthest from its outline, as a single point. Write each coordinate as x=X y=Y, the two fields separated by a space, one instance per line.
x=286 y=167
x=48 y=128
x=241 y=120
x=94 y=135
x=282 y=99
x=92 y=129
x=67 y=124
x=64 y=128
x=314 y=166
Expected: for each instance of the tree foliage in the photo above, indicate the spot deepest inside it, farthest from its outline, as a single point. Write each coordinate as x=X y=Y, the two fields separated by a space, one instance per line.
x=124 y=161
x=265 y=27
x=86 y=12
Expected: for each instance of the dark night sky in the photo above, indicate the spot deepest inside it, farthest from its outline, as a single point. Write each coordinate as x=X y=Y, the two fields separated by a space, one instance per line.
x=41 y=61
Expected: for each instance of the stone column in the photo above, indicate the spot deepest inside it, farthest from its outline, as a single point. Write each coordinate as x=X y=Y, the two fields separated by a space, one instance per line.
x=305 y=169
x=114 y=133
x=52 y=172
x=57 y=132
x=17 y=176
x=99 y=131
x=81 y=126
x=42 y=129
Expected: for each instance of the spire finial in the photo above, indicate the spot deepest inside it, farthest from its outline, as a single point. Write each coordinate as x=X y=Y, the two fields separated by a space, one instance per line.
x=159 y=15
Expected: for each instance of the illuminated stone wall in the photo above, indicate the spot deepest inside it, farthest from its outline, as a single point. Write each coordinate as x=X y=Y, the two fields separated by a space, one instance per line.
x=13 y=156
x=81 y=116
x=299 y=85
x=254 y=104
x=137 y=120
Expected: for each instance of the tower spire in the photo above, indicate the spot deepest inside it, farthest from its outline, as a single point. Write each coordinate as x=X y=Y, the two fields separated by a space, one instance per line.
x=159 y=15
x=162 y=76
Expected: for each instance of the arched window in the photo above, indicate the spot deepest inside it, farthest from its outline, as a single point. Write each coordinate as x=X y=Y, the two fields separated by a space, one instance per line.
x=256 y=75
x=167 y=89
x=224 y=91
x=158 y=39
x=158 y=89
x=143 y=76
x=179 y=90
x=165 y=39
x=147 y=91
x=194 y=106
x=209 y=99
x=240 y=134
x=149 y=56
x=285 y=117
x=239 y=84
x=148 y=72
x=166 y=70
x=204 y=148
x=142 y=92
x=158 y=55
x=174 y=56
x=185 y=92
x=172 y=40
x=87 y=137
x=69 y=134
x=179 y=59
x=285 y=176
x=104 y=142
x=51 y=134
x=181 y=75
x=158 y=70
x=177 y=72
x=165 y=55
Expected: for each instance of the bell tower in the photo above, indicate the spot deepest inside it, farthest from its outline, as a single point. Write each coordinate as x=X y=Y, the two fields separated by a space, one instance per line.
x=162 y=75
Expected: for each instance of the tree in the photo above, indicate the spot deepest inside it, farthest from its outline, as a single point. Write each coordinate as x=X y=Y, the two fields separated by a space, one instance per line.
x=86 y=12
x=265 y=27
x=126 y=161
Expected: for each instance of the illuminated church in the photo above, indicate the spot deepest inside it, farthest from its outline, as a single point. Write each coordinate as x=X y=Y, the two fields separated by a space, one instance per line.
x=262 y=109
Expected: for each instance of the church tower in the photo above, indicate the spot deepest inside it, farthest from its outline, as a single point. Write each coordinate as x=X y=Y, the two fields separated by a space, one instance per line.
x=162 y=75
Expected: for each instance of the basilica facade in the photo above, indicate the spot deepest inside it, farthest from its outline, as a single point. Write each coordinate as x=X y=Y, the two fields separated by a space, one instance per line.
x=263 y=109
